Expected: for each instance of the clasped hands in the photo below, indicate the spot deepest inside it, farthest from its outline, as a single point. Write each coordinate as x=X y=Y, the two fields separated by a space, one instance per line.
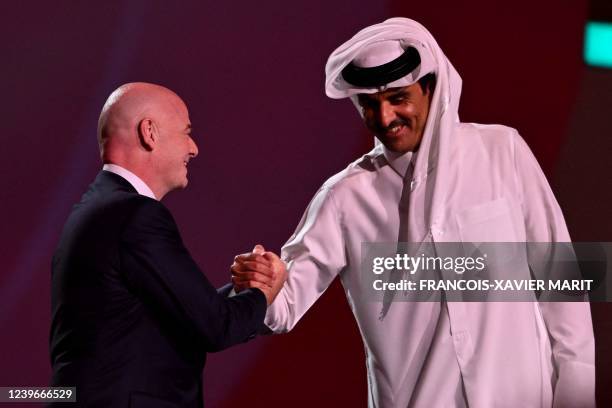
x=259 y=269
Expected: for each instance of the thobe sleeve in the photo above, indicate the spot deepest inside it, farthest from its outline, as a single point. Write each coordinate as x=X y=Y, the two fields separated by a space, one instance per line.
x=568 y=323
x=314 y=255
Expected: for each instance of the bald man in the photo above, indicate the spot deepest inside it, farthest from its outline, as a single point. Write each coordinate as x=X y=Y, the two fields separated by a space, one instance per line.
x=132 y=314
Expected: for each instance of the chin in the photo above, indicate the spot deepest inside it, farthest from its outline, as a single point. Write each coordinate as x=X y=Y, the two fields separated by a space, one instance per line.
x=397 y=147
x=180 y=185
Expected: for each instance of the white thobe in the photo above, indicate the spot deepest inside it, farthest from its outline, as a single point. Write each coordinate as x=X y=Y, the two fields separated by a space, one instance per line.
x=429 y=354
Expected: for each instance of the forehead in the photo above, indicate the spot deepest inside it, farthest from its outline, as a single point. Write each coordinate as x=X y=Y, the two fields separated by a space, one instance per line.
x=177 y=103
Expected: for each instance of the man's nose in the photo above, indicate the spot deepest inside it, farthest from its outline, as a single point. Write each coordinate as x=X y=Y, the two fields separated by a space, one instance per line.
x=386 y=114
x=193 y=148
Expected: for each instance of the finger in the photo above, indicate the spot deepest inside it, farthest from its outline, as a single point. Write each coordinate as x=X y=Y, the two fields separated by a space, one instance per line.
x=252 y=257
x=243 y=283
x=246 y=254
x=254 y=267
x=266 y=268
x=251 y=266
x=253 y=276
x=254 y=284
x=259 y=249
x=244 y=275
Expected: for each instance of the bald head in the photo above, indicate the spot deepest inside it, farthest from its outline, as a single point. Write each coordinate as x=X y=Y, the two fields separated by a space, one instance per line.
x=128 y=105
x=145 y=128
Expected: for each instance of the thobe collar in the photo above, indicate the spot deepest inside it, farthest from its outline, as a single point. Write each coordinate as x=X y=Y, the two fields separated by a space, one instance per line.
x=399 y=162
x=136 y=182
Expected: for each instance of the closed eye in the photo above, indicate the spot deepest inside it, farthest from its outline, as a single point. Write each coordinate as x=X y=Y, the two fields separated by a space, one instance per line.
x=397 y=99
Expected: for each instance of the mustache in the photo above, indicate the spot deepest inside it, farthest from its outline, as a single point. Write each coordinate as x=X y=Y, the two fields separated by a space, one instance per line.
x=395 y=123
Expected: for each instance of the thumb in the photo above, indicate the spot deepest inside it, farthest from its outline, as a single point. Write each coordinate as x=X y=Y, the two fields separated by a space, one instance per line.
x=259 y=249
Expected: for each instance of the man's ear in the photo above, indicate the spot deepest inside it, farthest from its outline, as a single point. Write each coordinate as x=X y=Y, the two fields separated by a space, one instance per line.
x=148 y=134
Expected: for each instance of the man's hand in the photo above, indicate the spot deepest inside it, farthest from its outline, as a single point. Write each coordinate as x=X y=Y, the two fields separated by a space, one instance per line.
x=259 y=269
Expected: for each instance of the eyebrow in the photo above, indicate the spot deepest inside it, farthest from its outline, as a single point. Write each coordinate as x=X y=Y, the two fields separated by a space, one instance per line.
x=388 y=93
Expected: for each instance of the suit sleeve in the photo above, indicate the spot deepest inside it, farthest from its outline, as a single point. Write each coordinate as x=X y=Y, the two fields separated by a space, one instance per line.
x=159 y=269
x=314 y=256
x=568 y=323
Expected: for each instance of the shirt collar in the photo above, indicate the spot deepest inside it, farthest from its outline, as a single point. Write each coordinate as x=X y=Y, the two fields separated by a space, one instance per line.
x=400 y=162
x=136 y=182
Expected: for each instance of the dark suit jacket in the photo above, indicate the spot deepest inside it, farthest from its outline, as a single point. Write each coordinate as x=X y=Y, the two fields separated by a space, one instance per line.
x=132 y=314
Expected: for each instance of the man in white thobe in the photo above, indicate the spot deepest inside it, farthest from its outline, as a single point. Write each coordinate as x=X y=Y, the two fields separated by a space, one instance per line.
x=431 y=178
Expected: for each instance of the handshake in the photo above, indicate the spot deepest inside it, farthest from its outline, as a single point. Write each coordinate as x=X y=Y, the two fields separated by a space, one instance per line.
x=259 y=269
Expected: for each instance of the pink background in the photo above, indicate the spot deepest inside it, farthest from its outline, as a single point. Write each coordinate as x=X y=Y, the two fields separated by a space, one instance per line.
x=252 y=76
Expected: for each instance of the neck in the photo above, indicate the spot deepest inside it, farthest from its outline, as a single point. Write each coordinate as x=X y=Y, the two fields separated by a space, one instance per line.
x=143 y=172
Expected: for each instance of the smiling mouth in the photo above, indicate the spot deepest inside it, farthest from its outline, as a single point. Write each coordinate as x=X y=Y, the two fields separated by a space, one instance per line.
x=394 y=131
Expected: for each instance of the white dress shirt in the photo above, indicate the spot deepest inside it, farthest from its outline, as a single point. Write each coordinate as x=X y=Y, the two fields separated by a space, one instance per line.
x=136 y=182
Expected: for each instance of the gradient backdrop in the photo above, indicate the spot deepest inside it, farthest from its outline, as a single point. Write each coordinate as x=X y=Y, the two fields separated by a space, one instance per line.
x=252 y=75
